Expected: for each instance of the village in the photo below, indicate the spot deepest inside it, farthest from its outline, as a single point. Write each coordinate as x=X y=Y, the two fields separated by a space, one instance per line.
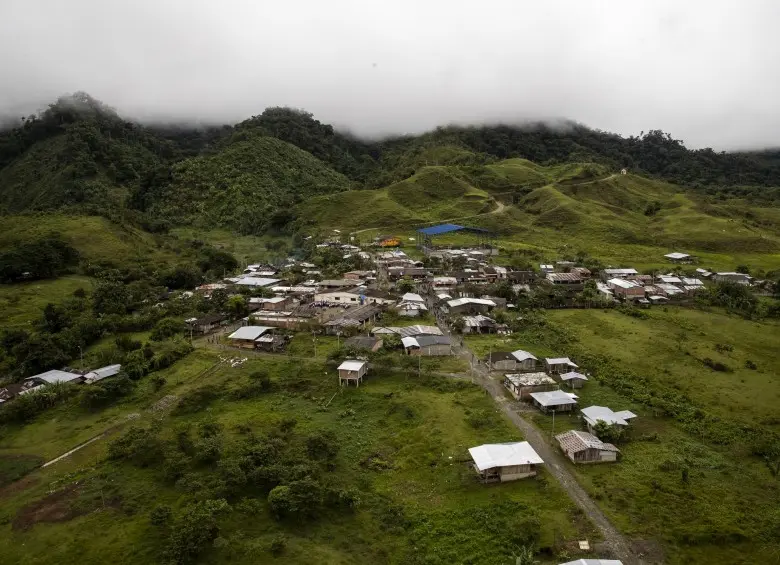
x=376 y=299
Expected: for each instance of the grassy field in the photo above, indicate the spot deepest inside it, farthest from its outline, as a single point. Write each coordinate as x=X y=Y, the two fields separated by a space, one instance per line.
x=21 y=303
x=247 y=249
x=422 y=504
x=704 y=501
x=95 y=238
x=558 y=211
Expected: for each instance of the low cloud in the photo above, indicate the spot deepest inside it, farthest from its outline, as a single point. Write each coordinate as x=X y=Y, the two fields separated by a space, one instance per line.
x=704 y=71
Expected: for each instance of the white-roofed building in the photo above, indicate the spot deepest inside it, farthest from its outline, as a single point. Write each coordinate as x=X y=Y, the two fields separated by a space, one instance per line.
x=557 y=400
x=607 y=274
x=246 y=336
x=102 y=373
x=469 y=305
x=558 y=365
x=594 y=414
x=352 y=370
x=412 y=297
x=739 y=278
x=626 y=289
x=582 y=447
x=525 y=361
x=253 y=281
x=573 y=379
x=55 y=376
x=505 y=461
x=521 y=385
x=668 y=290
x=677 y=257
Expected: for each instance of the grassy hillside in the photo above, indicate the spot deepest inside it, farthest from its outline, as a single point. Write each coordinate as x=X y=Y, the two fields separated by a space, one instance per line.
x=96 y=238
x=565 y=209
x=243 y=185
x=401 y=448
x=686 y=478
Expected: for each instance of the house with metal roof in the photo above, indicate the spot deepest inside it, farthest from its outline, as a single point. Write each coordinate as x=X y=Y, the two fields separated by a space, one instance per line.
x=525 y=361
x=503 y=462
x=678 y=257
x=428 y=345
x=352 y=371
x=558 y=365
x=583 y=447
x=594 y=414
x=573 y=379
x=522 y=385
x=54 y=377
x=247 y=335
x=607 y=274
x=102 y=373
x=365 y=343
x=469 y=305
x=557 y=400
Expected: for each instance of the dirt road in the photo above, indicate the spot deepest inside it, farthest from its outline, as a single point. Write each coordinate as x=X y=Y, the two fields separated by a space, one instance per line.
x=615 y=542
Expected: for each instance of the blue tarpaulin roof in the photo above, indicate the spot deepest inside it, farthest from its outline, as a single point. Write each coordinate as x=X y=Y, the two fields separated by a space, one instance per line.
x=447 y=228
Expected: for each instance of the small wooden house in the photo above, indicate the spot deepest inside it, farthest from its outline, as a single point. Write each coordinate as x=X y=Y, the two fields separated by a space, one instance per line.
x=595 y=414
x=428 y=345
x=501 y=462
x=365 y=343
x=522 y=385
x=525 y=361
x=559 y=365
x=352 y=370
x=554 y=400
x=501 y=361
x=582 y=447
x=247 y=336
x=574 y=379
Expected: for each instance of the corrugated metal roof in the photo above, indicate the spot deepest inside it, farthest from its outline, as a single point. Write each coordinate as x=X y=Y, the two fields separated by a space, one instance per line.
x=560 y=361
x=573 y=375
x=594 y=414
x=521 y=355
x=554 y=398
x=55 y=376
x=351 y=365
x=493 y=455
x=447 y=228
x=463 y=301
x=249 y=332
x=576 y=440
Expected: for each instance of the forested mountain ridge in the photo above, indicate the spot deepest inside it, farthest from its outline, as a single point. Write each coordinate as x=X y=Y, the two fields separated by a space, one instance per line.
x=80 y=156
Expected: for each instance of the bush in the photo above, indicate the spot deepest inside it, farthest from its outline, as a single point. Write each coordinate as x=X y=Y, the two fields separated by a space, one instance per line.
x=278 y=545
x=139 y=446
x=166 y=328
x=26 y=407
x=160 y=515
x=299 y=499
x=481 y=419
x=197 y=399
x=750 y=365
x=194 y=529
x=322 y=445
x=105 y=392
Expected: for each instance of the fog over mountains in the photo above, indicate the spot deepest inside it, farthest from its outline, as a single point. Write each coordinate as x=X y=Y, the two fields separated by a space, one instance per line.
x=702 y=70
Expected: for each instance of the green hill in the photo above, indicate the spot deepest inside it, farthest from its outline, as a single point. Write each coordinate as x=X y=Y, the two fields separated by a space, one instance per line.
x=248 y=185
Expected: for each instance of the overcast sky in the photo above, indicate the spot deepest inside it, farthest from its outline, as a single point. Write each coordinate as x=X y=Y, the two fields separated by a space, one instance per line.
x=706 y=71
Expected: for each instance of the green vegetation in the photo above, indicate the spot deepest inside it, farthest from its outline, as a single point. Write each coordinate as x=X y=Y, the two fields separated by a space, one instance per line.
x=373 y=474
x=248 y=185
x=701 y=450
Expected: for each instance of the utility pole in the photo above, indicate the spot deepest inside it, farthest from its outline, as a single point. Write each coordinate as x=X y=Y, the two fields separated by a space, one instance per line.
x=314 y=341
x=81 y=354
x=552 y=432
x=419 y=364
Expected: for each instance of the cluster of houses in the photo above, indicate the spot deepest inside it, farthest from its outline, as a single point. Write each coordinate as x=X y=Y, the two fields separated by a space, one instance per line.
x=56 y=376
x=539 y=383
